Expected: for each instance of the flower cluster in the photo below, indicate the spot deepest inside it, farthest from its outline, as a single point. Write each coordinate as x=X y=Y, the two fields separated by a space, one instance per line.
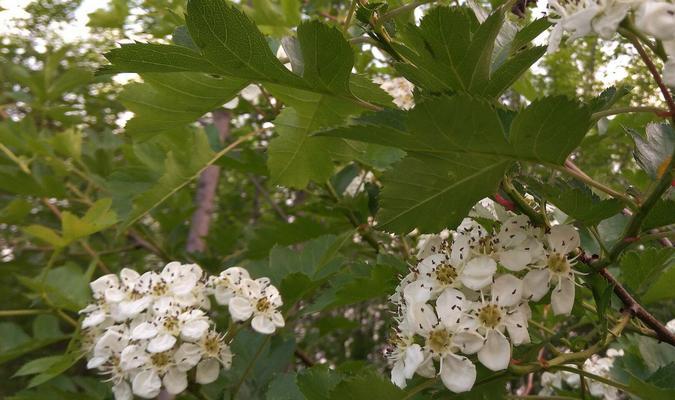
x=147 y=331
x=655 y=18
x=553 y=382
x=469 y=294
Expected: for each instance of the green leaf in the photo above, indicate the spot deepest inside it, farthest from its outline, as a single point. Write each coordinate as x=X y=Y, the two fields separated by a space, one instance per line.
x=549 y=129
x=275 y=17
x=232 y=42
x=654 y=152
x=45 y=234
x=660 y=215
x=577 y=201
x=148 y=57
x=98 y=217
x=66 y=287
x=328 y=58
x=662 y=289
x=608 y=97
x=68 y=143
x=366 y=385
x=15 y=211
x=37 y=366
x=165 y=101
x=641 y=269
x=138 y=189
x=451 y=52
x=57 y=368
x=458 y=152
x=317 y=382
x=295 y=158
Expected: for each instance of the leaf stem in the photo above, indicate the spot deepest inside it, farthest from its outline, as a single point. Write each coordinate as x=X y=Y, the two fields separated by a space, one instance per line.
x=594 y=377
x=350 y=14
x=404 y=8
x=661 y=112
x=570 y=169
x=17 y=313
x=422 y=386
x=522 y=203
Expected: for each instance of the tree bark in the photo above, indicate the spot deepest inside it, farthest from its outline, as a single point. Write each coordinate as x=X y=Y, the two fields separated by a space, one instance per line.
x=206 y=191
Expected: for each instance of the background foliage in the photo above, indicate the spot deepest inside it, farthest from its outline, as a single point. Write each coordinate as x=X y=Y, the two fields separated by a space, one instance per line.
x=83 y=191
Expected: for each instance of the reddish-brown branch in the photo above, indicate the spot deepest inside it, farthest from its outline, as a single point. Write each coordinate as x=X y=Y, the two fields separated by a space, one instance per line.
x=636 y=310
x=206 y=192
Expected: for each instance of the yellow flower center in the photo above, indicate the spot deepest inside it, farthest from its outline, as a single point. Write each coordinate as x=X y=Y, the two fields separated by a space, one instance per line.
x=263 y=305
x=558 y=264
x=446 y=273
x=161 y=360
x=439 y=340
x=490 y=315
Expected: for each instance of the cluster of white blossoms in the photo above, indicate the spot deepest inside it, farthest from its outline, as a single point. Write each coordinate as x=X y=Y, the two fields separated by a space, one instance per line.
x=654 y=18
x=469 y=294
x=146 y=332
x=553 y=382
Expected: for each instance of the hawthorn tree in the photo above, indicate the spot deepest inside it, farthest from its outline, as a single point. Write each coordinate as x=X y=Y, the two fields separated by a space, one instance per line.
x=338 y=200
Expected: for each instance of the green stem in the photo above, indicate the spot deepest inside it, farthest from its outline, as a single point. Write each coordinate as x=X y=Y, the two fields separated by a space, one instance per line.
x=624 y=110
x=350 y=14
x=594 y=377
x=536 y=397
x=17 y=313
x=403 y=9
x=522 y=203
x=577 y=174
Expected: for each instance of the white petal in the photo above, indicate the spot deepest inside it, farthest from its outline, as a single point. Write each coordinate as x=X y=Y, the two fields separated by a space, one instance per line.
x=129 y=277
x=478 y=272
x=175 y=381
x=113 y=295
x=449 y=306
x=515 y=260
x=554 y=38
x=535 y=284
x=418 y=291
x=421 y=317
x=263 y=324
x=122 y=391
x=427 y=369
x=144 y=330
x=133 y=357
x=194 y=330
x=207 y=371
x=458 y=373
x=413 y=358
x=563 y=239
x=469 y=342
x=562 y=297
x=93 y=319
x=187 y=356
x=161 y=343
x=278 y=319
x=429 y=246
x=397 y=375
x=240 y=309
x=516 y=324
x=132 y=308
x=99 y=286
x=96 y=362
x=147 y=384
x=507 y=290
x=496 y=353
x=236 y=273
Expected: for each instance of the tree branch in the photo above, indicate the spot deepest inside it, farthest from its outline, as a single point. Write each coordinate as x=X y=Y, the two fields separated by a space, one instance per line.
x=636 y=310
x=206 y=191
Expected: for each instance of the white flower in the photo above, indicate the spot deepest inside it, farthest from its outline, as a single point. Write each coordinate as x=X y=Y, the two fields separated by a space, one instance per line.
x=122 y=391
x=214 y=353
x=457 y=372
x=164 y=329
x=228 y=284
x=159 y=369
x=491 y=319
x=562 y=240
x=657 y=19
x=261 y=301
x=406 y=356
x=572 y=16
